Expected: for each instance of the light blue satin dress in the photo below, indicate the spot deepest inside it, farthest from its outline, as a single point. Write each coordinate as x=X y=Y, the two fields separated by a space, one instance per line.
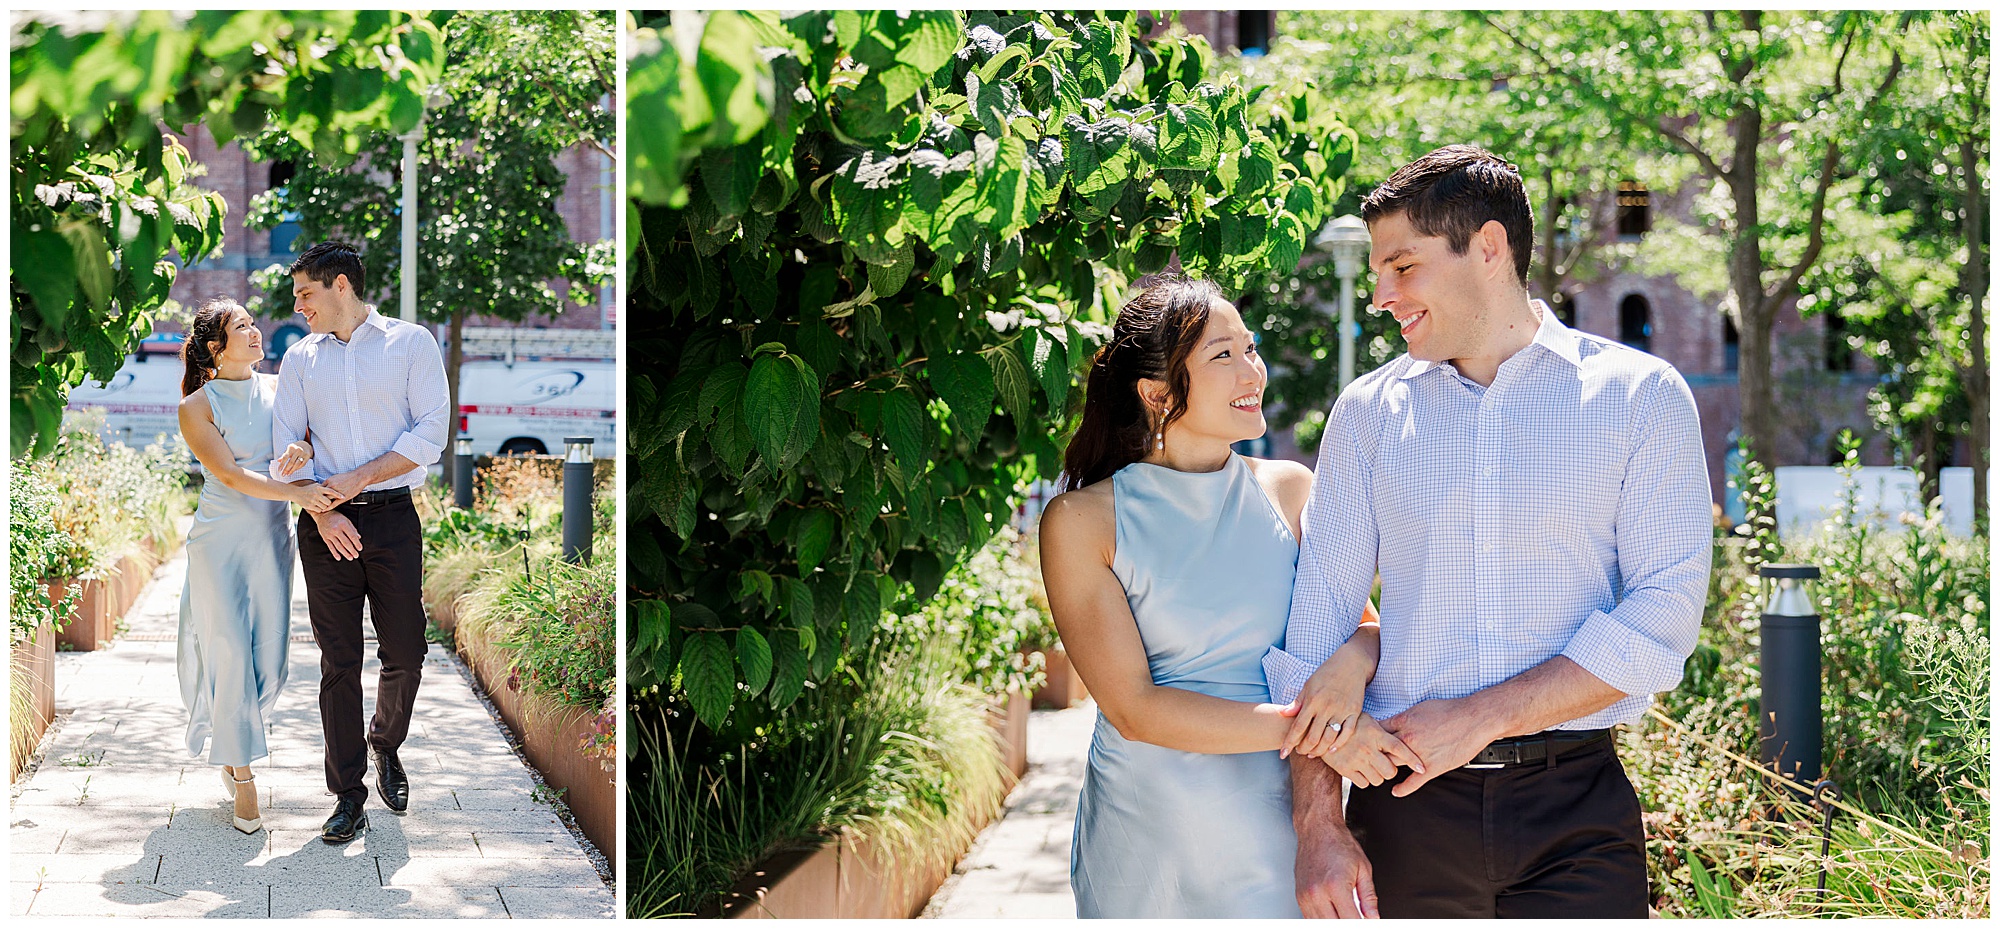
x=1207 y=563
x=236 y=607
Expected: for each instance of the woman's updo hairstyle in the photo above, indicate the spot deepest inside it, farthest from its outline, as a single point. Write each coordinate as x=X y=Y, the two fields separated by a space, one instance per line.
x=1152 y=338
x=211 y=324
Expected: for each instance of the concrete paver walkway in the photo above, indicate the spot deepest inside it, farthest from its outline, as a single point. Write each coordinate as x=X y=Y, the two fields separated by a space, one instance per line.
x=118 y=820
x=1019 y=867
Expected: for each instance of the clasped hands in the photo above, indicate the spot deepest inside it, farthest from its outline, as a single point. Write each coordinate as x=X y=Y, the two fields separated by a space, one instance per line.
x=339 y=533
x=1429 y=738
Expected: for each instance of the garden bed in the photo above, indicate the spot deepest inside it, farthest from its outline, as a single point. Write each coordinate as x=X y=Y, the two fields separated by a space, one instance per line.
x=852 y=878
x=104 y=601
x=33 y=663
x=552 y=736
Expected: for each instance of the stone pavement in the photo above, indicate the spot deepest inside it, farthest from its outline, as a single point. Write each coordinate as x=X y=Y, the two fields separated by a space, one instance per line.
x=1019 y=867
x=118 y=820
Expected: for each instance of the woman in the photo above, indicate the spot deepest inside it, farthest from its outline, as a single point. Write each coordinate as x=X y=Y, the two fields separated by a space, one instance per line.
x=236 y=607
x=1169 y=567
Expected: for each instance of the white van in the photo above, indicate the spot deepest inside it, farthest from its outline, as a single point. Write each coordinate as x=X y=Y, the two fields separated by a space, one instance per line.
x=531 y=406
x=141 y=403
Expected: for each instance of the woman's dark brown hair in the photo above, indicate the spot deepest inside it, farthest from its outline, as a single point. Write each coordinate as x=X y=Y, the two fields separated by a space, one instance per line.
x=1152 y=338
x=211 y=324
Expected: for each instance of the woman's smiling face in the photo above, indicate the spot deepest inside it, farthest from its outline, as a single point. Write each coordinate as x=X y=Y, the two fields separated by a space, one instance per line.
x=1225 y=382
x=245 y=341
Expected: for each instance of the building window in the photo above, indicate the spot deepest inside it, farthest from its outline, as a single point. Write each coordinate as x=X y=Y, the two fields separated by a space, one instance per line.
x=1732 y=344
x=1253 y=32
x=1635 y=210
x=286 y=232
x=1839 y=355
x=1635 y=322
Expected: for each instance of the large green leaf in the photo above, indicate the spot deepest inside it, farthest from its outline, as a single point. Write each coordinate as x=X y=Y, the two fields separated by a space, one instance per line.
x=1048 y=360
x=965 y=381
x=930 y=38
x=734 y=76
x=771 y=405
x=708 y=673
x=815 y=534
x=755 y=655
x=904 y=424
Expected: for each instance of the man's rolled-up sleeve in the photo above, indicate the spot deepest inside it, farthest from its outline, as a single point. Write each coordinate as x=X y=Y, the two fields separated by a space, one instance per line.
x=1665 y=540
x=430 y=404
x=1336 y=569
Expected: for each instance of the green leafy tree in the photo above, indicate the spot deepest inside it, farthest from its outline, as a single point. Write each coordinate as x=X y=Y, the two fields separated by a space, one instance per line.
x=523 y=87
x=1761 y=103
x=105 y=198
x=869 y=253
x=1907 y=265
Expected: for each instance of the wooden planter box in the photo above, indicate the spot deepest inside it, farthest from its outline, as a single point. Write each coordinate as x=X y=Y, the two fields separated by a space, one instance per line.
x=553 y=740
x=93 y=625
x=106 y=601
x=134 y=570
x=1008 y=716
x=851 y=879
x=1064 y=688
x=34 y=660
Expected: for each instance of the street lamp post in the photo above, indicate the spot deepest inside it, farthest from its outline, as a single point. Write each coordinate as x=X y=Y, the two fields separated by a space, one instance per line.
x=1346 y=238
x=433 y=100
x=578 y=469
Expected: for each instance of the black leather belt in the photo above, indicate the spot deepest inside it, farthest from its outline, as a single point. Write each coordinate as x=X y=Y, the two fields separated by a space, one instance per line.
x=379 y=496
x=1535 y=749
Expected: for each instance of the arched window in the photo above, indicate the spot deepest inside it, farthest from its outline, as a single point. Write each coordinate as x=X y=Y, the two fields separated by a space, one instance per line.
x=1635 y=322
x=1732 y=344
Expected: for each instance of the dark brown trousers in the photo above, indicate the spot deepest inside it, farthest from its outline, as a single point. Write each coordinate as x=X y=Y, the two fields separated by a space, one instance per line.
x=388 y=577
x=1526 y=841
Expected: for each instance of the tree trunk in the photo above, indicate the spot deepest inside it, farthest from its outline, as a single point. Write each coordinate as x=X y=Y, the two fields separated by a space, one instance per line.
x=1972 y=281
x=1546 y=279
x=1755 y=310
x=454 y=357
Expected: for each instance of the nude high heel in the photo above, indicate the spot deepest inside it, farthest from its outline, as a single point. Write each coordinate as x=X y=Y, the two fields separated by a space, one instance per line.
x=245 y=826
x=228 y=782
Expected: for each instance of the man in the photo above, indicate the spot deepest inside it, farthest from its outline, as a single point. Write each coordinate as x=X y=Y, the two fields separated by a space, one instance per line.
x=1536 y=503
x=370 y=393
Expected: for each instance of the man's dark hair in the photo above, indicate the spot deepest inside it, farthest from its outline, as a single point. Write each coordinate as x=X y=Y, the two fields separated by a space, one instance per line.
x=328 y=260
x=1452 y=192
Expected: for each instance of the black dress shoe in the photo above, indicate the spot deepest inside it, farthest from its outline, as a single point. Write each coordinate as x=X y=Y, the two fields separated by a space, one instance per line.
x=347 y=821
x=391 y=784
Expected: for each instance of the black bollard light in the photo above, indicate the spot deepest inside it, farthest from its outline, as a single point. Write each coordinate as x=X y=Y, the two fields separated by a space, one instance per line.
x=461 y=472
x=578 y=469
x=1790 y=727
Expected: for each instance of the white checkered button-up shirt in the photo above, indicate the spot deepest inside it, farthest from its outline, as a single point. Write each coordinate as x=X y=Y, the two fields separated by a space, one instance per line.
x=1564 y=510
x=382 y=390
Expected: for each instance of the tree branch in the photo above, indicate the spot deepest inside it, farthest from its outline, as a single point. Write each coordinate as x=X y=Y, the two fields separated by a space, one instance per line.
x=1708 y=164
x=1816 y=239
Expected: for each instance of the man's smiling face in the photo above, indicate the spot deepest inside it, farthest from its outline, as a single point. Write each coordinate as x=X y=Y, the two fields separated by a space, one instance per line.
x=315 y=301
x=1433 y=294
